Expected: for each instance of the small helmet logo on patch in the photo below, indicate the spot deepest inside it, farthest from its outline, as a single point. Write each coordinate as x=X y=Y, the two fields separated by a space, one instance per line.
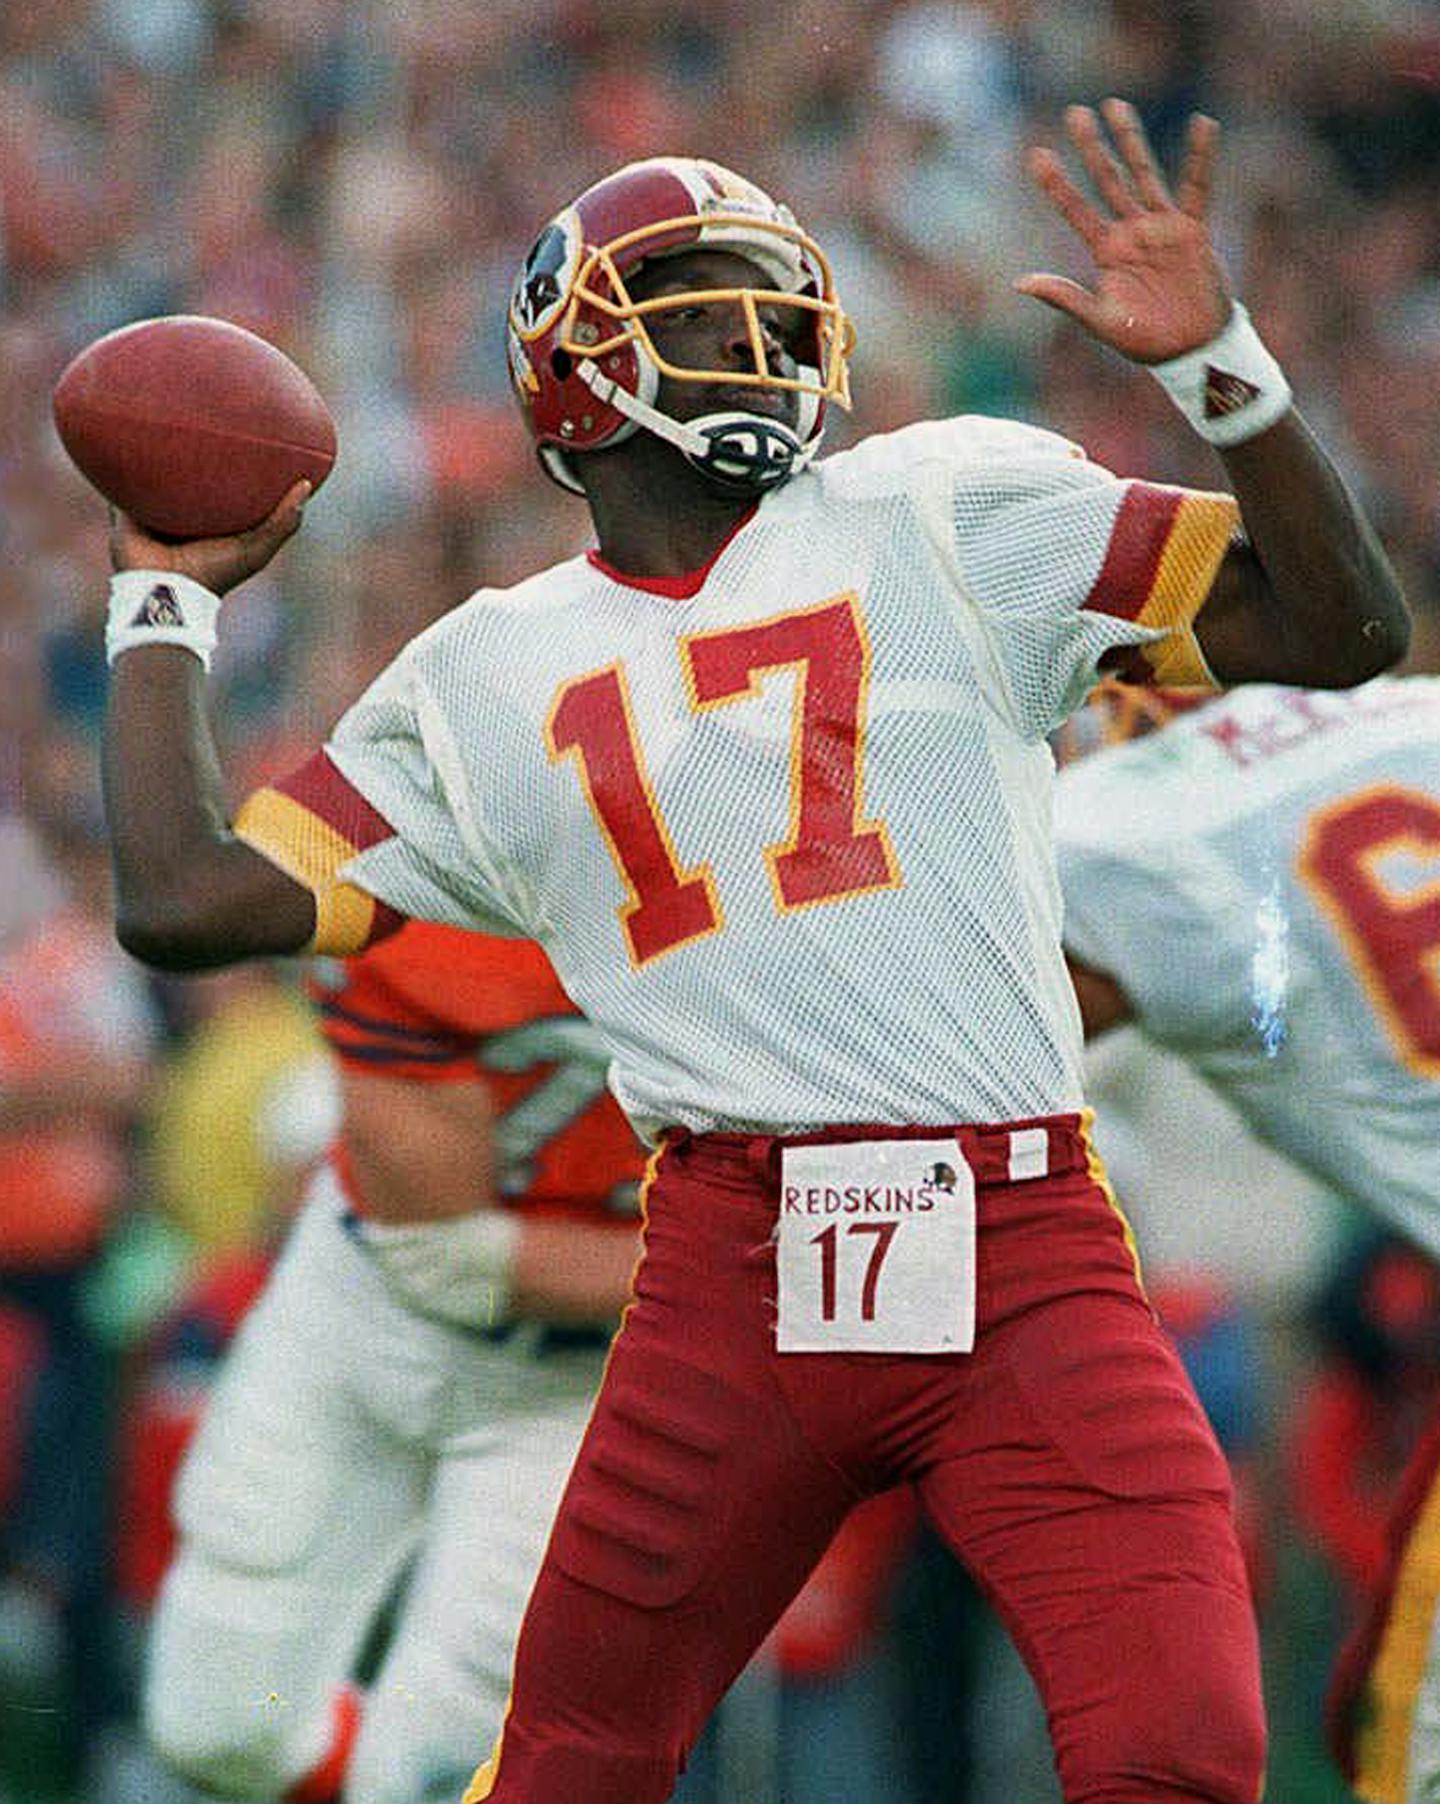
x=942 y=1176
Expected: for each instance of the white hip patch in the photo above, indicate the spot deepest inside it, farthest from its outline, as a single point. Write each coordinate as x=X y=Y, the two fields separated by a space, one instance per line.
x=1029 y=1154
x=876 y=1244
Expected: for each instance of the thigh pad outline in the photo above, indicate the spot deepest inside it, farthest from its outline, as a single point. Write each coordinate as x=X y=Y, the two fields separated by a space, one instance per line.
x=1107 y=1386
x=652 y=1493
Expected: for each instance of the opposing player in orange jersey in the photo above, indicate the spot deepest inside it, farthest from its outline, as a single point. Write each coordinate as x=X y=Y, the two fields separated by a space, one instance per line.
x=404 y=1402
x=767 y=775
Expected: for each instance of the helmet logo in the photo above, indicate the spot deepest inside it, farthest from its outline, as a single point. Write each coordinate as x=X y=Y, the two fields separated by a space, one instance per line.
x=544 y=284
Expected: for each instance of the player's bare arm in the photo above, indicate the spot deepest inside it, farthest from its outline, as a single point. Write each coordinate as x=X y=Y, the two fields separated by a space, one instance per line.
x=188 y=894
x=569 y=1271
x=1103 y=1004
x=417 y=1151
x=1309 y=596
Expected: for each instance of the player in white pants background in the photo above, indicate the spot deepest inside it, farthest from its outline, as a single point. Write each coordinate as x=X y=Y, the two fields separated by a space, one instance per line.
x=397 y=1394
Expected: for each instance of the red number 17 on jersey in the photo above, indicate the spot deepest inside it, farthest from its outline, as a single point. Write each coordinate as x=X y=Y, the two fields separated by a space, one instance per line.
x=830 y=849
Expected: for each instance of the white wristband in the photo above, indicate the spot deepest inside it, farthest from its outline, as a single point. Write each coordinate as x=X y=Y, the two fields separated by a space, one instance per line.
x=1230 y=389
x=160 y=607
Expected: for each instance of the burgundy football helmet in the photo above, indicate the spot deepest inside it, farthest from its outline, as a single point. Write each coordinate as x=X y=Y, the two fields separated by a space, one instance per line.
x=583 y=362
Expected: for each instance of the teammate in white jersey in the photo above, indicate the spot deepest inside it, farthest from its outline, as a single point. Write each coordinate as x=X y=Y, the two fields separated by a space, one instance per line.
x=1257 y=884
x=766 y=773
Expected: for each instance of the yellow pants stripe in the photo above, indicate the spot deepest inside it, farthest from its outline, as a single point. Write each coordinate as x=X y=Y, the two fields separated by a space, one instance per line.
x=1095 y=1167
x=1382 y=1741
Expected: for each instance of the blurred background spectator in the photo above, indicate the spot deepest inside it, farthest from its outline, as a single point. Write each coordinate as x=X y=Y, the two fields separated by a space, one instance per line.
x=77 y=1043
x=358 y=181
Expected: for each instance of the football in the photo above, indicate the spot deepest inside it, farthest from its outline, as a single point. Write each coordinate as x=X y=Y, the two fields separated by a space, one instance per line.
x=193 y=426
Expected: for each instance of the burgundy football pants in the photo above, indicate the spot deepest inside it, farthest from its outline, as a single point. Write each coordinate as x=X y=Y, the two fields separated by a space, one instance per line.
x=1065 y=1460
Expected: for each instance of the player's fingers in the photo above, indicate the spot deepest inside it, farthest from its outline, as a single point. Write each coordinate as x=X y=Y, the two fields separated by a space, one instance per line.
x=1192 y=191
x=1060 y=293
x=289 y=512
x=263 y=541
x=128 y=543
x=1111 y=182
x=1134 y=147
x=292 y=503
x=1048 y=174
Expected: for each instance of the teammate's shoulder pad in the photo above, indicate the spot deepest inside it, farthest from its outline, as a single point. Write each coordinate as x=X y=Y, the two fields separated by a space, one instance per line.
x=1132 y=793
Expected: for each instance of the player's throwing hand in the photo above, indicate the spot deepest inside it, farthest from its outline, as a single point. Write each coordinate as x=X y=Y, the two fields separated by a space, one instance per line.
x=1159 y=288
x=219 y=564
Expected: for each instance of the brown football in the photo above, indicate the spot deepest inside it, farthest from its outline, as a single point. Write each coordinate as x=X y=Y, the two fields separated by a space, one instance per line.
x=193 y=426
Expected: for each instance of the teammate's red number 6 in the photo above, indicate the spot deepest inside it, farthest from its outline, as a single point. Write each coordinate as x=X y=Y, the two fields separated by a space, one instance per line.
x=1390 y=931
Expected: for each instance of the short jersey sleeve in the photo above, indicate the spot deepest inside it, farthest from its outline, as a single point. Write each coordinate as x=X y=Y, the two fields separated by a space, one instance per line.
x=378 y=828
x=1066 y=562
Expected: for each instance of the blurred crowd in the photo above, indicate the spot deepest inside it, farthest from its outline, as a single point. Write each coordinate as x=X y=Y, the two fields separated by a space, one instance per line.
x=358 y=181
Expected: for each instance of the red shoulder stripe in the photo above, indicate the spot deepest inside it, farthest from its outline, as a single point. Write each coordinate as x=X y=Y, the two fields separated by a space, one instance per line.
x=1137 y=543
x=312 y=823
x=320 y=789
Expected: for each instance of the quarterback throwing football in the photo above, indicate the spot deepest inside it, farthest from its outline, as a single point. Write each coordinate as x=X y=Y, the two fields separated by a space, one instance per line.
x=766 y=774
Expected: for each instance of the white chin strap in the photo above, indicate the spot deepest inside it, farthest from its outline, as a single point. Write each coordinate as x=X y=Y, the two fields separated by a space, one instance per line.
x=737 y=450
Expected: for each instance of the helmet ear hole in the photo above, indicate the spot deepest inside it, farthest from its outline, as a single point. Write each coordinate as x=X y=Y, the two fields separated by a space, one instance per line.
x=561 y=365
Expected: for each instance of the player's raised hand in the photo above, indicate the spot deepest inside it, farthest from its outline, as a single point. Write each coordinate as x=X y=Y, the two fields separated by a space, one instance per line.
x=1159 y=288
x=217 y=564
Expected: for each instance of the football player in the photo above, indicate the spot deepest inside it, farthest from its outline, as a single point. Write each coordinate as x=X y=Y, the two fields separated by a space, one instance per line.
x=407 y=1394
x=766 y=774
x=1256 y=883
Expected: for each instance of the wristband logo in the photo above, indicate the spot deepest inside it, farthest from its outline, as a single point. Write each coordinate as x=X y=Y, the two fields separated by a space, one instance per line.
x=161 y=607
x=1226 y=393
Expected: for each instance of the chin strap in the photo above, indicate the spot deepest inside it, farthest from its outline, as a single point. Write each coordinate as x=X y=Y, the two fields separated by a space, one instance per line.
x=743 y=451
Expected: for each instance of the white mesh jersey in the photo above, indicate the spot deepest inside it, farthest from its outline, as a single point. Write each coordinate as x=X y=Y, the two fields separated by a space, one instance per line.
x=786 y=838
x=1262 y=877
